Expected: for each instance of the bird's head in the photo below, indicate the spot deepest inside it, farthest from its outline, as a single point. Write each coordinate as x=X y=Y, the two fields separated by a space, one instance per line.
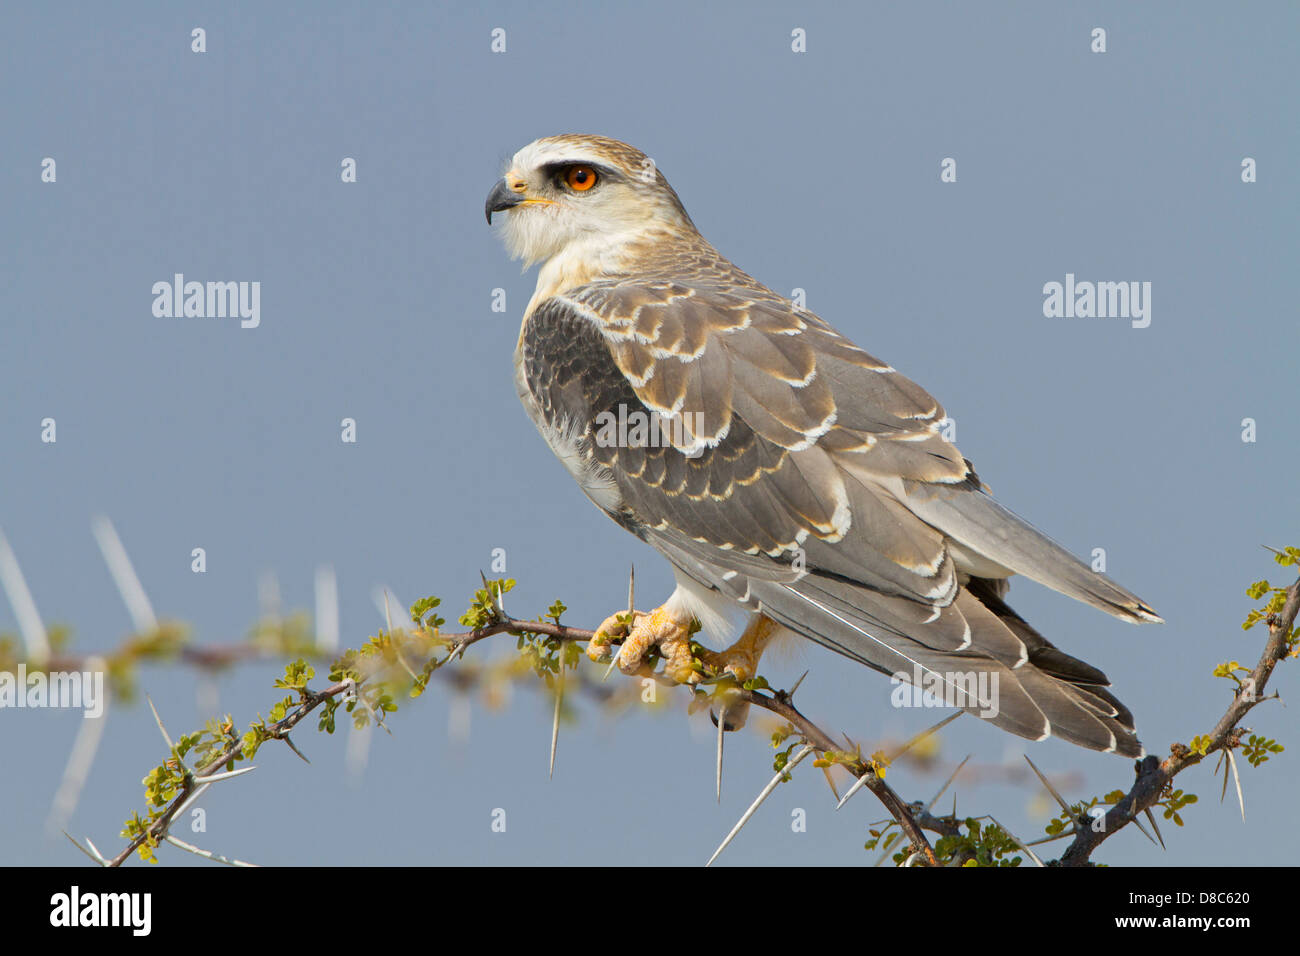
x=571 y=192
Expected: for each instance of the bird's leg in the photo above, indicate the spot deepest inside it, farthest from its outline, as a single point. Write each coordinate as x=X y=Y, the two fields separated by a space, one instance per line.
x=740 y=660
x=663 y=628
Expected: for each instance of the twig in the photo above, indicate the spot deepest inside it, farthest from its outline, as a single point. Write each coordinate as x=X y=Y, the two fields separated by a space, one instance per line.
x=1155 y=775
x=779 y=704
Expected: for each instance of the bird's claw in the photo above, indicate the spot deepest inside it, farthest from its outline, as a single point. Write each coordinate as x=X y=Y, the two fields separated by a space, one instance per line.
x=659 y=631
x=643 y=637
x=728 y=707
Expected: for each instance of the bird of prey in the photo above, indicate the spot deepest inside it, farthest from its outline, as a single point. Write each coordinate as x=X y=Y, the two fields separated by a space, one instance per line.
x=781 y=469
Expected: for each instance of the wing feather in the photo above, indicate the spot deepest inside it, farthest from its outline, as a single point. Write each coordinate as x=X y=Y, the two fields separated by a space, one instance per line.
x=808 y=480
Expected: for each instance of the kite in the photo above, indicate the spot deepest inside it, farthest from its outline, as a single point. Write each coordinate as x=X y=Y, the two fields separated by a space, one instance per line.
x=789 y=477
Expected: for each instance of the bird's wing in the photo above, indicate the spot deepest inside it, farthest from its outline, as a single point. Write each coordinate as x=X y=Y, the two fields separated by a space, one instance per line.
x=794 y=469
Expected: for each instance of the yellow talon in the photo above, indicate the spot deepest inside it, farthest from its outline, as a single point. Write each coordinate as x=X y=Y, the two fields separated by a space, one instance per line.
x=671 y=636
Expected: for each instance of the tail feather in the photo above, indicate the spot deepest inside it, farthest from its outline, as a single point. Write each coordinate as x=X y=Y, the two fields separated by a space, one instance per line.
x=1042 y=692
x=978 y=522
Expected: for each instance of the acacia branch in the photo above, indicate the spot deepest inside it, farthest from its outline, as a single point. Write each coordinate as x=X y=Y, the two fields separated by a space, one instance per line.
x=1154 y=776
x=780 y=703
x=904 y=813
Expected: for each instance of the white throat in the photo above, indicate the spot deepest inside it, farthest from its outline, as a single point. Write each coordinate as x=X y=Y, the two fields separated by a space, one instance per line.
x=584 y=260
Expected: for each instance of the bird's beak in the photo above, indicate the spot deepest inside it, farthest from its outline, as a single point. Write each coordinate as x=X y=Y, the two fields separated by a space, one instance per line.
x=501 y=197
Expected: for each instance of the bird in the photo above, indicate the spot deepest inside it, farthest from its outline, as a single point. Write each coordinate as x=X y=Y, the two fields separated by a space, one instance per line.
x=796 y=483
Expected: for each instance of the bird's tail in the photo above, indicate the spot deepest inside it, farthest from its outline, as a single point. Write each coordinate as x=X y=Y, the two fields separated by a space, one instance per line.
x=977 y=654
x=976 y=521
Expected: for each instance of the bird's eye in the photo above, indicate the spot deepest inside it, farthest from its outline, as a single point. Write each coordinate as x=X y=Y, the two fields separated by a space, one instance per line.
x=580 y=178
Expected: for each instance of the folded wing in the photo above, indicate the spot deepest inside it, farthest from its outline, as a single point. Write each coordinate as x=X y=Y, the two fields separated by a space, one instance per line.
x=804 y=478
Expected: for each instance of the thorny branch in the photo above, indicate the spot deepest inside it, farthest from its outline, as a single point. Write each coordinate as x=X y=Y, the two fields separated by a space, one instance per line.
x=778 y=703
x=1153 y=775
x=781 y=704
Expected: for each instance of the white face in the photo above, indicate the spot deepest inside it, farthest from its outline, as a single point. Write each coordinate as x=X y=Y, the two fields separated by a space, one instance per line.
x=566 y=194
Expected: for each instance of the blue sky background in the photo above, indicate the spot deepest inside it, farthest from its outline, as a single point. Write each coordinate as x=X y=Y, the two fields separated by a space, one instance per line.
x=818 y=171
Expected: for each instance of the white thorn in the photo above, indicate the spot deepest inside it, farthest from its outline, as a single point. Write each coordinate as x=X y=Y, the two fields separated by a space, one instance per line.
x=722 y=719
x=613 y=662
x=161 y=728
x=1049 y=839
x=357 y=752
x=631 y=610
x=206 y=854
x=766 y=792
x=207 y=694
x=1155 y=826
x=1143 y=830
x=84 y=748
x=459 y=713
x=124 y=576
x=857 y=785
x=199 y=791
x=1232 y=762
x=268 y=595
x=94 y=849
x=555 y=722
x=498 y=600
x=925 y=733
x=381 y=595
x=96 y=855
x=1032 y=855
x=20 y=598
x=225 y=775
x=935 y=798
x=327 y=609
x=830 y=782
x=1050 y=789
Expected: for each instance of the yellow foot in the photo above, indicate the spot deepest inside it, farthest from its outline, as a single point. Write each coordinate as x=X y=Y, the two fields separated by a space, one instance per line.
x=671 y=636
x=659 y=630
x=740 y=660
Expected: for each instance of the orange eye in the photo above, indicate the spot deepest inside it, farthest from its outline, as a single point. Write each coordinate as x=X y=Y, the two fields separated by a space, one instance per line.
x=580 y=178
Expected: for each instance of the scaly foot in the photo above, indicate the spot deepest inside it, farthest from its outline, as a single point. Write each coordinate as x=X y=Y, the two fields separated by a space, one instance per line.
x=659 y=630
x=670 y=635
x=740 y=660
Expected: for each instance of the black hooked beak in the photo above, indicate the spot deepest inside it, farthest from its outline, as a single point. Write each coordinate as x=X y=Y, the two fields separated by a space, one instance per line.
x=501 y=197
